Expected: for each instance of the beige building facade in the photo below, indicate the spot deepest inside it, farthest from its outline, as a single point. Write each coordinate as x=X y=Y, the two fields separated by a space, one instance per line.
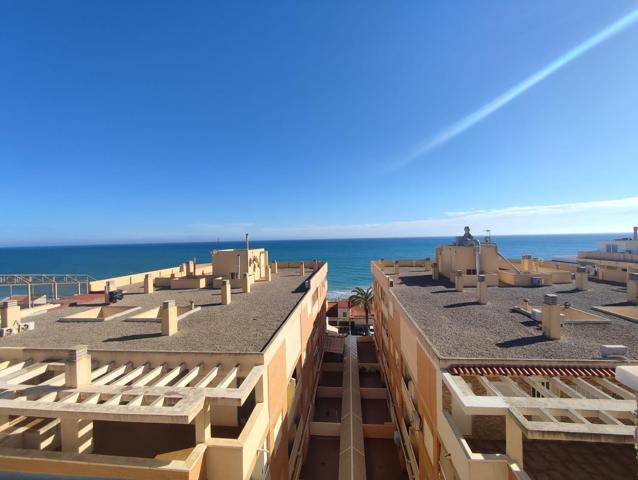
x=183 y=385
x=504 y=381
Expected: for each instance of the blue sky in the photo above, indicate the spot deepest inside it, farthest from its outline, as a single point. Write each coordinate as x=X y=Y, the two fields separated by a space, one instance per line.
x=142 y=121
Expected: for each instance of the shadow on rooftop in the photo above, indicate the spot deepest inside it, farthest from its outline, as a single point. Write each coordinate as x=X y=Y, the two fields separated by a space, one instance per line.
x=461 y=304
x=524 y=341
x=300 y=288
x=572 y=290
x=214 y=304
x=424 y=280
x=138 y=336
x=620 y=304
x=529 y=323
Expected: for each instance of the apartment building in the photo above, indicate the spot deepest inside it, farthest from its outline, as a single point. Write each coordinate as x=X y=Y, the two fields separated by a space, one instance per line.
x=200 y=371
x=502 y=369
x=614 y=260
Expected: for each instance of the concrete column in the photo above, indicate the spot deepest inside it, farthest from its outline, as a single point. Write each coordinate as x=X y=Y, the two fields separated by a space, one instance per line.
x=149 y=286
x=9 y=313
x=551 y=316
x=525 y=263
x=397 y=268
x=632 y=287
x=435 y=271
x=168 y=315
x=581 y=278
x=202 y=424
x=268 y=274
x=481 y=289
x=77 y=368
x=426 y=264
x=226 y=294
x=513 y=440
x=55 y=291
x=302 y=269
x=29 y=296
x=458 y=280
x=245 y=283
x=462 y=419
x=79 y=288
x=274 y=267
x=76 y=435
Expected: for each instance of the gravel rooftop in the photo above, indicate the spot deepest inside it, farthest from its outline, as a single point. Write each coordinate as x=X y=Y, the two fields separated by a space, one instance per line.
x=459 y=327
x=246 y=325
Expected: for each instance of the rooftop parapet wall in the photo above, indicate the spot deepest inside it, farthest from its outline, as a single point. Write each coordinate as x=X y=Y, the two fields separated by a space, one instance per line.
x=117 y=282
x=615 y=257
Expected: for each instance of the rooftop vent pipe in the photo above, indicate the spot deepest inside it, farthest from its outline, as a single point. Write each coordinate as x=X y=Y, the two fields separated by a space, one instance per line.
x=635 y=233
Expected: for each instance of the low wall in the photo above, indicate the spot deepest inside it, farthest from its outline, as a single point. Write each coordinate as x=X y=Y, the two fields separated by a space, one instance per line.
x=105 y=466
x=178 y=270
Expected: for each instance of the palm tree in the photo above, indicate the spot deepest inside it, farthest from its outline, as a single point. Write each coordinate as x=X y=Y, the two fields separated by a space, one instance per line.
x=362 y=297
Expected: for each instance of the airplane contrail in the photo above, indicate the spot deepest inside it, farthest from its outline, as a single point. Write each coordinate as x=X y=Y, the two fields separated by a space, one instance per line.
x=489 y=108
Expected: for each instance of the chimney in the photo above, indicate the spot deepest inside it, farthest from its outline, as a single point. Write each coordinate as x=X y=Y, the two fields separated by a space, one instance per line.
x=274 y=267
x=435 y=271
x=226 y=292
x=458 y=280
x=525 y=263
x=149 y=286
x=427 y=264
x=632 y=287
x=9 y=313
x=635 y=233
x=481 y=289
x=107 y=290
x=397 y=268
x=302 y=269
x=245 y=283
x=77 y=368
x=268 y=274
x=551 y=316
x=168 y=315
x=582 y=278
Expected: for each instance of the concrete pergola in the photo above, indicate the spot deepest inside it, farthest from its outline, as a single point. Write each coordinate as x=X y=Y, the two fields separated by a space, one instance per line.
x=78 y=391
x=538 y=407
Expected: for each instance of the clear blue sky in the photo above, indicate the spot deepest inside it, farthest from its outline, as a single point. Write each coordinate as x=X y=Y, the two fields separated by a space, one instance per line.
x=141 y=121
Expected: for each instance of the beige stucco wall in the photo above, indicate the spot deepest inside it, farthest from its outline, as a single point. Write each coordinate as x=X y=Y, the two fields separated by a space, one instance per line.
x=451 y=258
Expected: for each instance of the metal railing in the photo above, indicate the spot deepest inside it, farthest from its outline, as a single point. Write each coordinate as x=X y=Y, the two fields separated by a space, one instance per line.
x=7 y=279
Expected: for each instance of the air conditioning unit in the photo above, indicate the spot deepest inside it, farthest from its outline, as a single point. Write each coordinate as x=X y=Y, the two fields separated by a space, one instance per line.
x=537 y=315
x=613 y=350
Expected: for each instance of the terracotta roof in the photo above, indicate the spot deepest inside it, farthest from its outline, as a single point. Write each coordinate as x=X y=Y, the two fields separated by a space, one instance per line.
x=532 y=370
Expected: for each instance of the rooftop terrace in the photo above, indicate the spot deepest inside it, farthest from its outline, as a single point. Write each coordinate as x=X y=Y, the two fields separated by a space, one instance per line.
x=245 y=325
x=459 y=327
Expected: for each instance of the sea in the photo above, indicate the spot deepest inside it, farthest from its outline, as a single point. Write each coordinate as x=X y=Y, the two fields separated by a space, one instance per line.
x=348 y=259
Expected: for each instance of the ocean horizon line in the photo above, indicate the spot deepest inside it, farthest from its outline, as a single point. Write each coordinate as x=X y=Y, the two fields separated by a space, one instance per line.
x=192 y=242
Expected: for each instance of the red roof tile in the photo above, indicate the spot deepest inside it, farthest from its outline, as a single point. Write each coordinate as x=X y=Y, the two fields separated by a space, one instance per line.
x=533 y=370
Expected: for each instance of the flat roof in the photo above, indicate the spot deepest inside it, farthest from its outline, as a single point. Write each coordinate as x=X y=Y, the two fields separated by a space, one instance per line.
x=246 y=325
x=459 y=327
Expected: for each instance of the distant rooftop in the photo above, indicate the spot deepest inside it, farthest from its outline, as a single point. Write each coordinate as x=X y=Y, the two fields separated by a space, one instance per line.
x=246 y=325
x=459 y=327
